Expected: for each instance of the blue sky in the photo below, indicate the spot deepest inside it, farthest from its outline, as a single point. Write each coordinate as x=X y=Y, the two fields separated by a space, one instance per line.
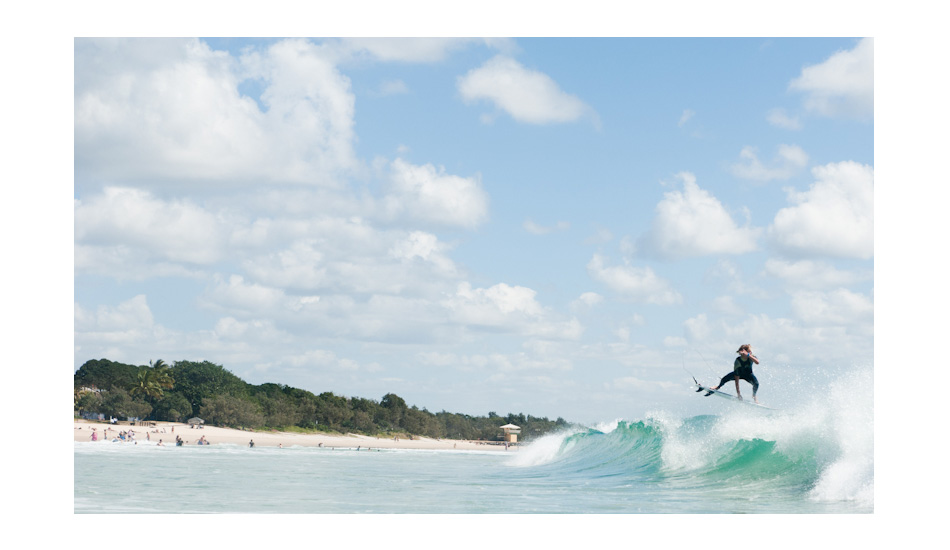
x=560 y=227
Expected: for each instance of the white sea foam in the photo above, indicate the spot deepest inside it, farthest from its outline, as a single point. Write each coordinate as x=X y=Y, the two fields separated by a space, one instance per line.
x=542 y=450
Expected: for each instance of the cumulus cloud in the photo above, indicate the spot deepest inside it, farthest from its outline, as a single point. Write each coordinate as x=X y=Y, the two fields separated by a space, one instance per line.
x=587 y=300
x=351 y=256
x=837 y=307
x=685 y=117
x=641 y=284
x=842 y=85
x=507 y=308
x=113 y=331
x=131 y=314
x=250 y=299
x=781 y=119
x=170 y=111
x=427 y=194
x=788 y=162
x=692 y=222
x=813 y=275
x=834 y=217
x=526 y=95
x=392 y=87
x=730 y=273
x=820 y=336
x=415 y=50
x=536 y=229
x=132 y=223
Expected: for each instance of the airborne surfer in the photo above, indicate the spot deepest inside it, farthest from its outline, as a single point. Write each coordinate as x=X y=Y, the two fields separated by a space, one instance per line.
x=742 y=368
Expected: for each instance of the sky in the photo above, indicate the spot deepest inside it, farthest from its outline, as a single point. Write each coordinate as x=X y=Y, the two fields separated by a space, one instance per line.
x=568 y=227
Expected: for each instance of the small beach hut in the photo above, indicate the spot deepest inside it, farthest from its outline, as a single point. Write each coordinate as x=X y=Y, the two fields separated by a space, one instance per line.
x=511 y=432
x=195 y=420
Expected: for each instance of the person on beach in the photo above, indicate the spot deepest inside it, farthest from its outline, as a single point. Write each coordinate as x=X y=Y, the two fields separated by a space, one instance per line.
x=251 y=444
x=742 y=369
x=95 y=436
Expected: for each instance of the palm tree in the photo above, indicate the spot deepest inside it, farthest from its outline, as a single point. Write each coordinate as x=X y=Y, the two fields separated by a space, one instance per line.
x=160 y=371
x=147 y=385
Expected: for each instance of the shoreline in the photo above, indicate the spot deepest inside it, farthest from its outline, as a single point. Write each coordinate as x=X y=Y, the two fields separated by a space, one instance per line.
x=168 y=431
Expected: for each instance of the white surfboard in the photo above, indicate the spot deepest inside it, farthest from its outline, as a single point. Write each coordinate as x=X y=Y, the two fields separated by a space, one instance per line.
x=730 y=396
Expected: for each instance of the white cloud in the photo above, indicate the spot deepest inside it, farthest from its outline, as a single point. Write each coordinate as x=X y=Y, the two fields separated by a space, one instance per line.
x=820 y=336
x=788 y=162
x=249 y=299
x=838 y=307
x=731 y=274
x=781 y=119
x=392 y=87
x=842 y=85
x=638 y=283
x=131 y=314
x=330 y=255
x=692 y=222
x=507 y=308
x=118 y=332
x=813 y=275
x=415 y=50
x=587 y=300
x=536 y=229
x=485 y=305
x=122 y=220
x=429 y=195
x=685 y=117
x=835 y=217
x=527 y=95
x=168 y=110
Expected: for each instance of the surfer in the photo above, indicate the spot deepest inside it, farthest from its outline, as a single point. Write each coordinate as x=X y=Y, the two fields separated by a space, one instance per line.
x=742 y=368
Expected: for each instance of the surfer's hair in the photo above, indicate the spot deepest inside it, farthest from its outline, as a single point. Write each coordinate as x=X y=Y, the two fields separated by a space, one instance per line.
x=747 y=347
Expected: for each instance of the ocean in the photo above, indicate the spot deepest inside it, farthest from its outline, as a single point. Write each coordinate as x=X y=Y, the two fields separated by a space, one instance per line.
x=817 y=458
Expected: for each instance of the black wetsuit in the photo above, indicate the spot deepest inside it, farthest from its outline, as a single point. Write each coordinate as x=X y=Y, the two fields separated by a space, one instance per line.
x=742 y=369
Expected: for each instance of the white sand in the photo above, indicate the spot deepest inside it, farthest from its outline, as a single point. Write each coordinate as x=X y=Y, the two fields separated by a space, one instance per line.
x=167 y=432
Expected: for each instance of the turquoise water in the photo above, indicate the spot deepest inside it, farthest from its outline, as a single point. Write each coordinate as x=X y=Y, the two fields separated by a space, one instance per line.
x=817 y=459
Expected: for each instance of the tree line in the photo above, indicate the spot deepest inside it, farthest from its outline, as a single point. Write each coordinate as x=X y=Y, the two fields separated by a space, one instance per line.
x=186 y=389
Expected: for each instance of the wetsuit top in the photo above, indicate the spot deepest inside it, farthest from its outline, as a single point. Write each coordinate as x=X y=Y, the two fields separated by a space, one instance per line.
x=742 y=366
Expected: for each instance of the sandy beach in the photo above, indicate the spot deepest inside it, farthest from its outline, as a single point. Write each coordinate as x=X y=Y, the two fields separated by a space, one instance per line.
x=168 y=431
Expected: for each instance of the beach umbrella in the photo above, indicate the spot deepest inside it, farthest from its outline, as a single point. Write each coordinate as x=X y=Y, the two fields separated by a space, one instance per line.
x=195 y=420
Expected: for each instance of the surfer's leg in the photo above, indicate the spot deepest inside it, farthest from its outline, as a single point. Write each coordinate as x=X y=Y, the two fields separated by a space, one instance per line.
x=755 y=385
x=725 y=379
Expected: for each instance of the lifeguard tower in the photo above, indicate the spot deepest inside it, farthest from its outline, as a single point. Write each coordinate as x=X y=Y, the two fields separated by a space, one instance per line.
x=511 y=433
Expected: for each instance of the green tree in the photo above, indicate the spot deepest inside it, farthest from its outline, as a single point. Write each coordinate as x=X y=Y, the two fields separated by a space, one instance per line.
x=104 y=374
x=172 y=406
x=279 y=411
x=117 y=402
x=161 y=373
x=146 y=385
x=226 y=410
x=88 y=401
x=394 y=410
x=200 y=381
x=332 y=411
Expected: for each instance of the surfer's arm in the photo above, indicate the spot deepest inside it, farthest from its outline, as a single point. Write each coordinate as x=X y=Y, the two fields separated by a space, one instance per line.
x=753 y=358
